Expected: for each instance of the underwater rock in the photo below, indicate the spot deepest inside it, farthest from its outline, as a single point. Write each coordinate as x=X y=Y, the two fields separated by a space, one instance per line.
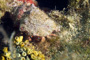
x=37 y=22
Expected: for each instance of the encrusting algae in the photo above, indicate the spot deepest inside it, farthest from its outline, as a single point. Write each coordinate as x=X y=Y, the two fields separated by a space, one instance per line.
x=4 y=7
x=24 y=51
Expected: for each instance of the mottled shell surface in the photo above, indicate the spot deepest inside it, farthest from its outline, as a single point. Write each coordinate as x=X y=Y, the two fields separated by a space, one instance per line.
x=37 y=23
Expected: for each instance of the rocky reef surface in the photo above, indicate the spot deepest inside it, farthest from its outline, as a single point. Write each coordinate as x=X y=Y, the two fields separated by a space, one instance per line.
x=20 y=21
x=37 y=23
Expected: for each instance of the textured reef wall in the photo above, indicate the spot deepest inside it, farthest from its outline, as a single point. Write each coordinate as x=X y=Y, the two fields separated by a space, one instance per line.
x=37 y=34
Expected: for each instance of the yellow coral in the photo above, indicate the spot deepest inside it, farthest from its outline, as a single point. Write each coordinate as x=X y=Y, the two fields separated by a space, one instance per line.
x=2 y=58
x=22 y=44
x=29 y=51
x=19 y=39
x=41 y=56
x=33 y=47
x=8 y=54
x=39 y=52
x=17 y=43
x=24 y=53
x=5 y=50
x=16 y=38
x=8 y=59
x=14 y=55
x=23 y=50
x=43 y=59
x=33 y=56
x=35 y=53
x=26 y=41
x=18 y=55
x=22 y=58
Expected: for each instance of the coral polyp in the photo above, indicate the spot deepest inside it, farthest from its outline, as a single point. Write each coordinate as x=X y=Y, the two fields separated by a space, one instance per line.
x=23 y=51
